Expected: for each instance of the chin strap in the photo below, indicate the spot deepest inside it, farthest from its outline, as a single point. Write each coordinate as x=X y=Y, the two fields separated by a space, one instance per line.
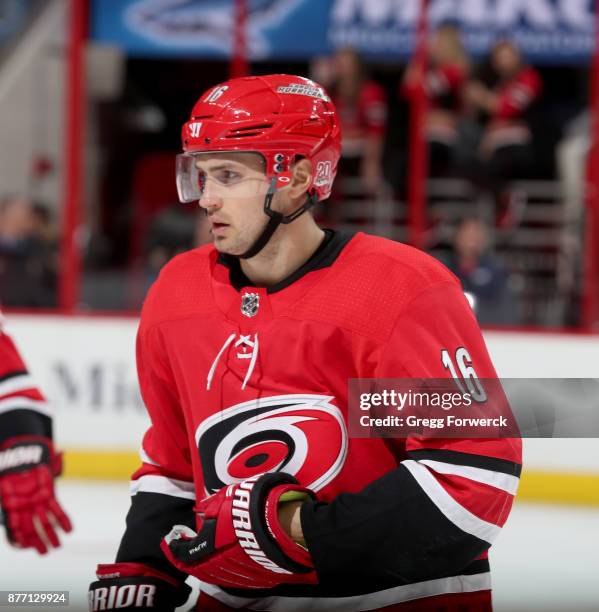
x=275 y=219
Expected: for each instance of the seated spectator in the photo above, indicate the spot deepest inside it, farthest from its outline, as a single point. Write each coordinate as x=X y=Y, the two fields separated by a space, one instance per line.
x=506 y=149
x=362 y=107
x=483 y=277
x=443 y=81
x=27 y=264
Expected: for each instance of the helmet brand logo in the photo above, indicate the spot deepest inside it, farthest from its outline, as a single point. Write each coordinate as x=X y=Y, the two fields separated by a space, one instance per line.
x=250 y=302
x=216 y=93
x=194 y=129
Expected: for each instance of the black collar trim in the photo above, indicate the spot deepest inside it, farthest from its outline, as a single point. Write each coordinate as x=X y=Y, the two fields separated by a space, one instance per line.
x=324 y=256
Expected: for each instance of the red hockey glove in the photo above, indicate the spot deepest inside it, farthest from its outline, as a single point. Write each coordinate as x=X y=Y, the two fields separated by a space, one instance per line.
x=240 y=541
x=137 y=586
x=28 y=465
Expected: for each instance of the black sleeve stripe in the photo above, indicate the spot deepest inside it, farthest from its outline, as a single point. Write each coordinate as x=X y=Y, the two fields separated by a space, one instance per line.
x=340 y=586
x=150 y=518
x=391 y=530
x=24 y=422
x=480 y=566
x=13 y=375
x=477 y=461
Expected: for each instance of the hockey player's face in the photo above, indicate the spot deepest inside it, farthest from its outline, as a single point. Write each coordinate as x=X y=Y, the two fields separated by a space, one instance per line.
x=233 y=190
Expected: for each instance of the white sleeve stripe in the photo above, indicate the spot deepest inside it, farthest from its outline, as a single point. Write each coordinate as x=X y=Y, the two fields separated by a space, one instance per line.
x=454 y=511
x=25 y=403
x=499 y=480
x=153 y=483
x=377 y=600
x=22 y=382
x=146 y=458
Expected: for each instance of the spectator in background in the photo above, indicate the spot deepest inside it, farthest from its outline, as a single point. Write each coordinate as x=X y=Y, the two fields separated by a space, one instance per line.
x=482 y=275
x=362 y=107
x=27 y=263
x=506 y=149
x=443 y=81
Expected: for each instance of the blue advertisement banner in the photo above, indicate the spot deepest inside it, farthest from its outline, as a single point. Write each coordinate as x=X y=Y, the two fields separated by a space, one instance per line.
x=276 y=29
x=548 y=31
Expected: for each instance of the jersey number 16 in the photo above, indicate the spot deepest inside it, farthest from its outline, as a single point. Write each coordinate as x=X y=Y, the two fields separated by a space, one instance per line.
x=468 y=377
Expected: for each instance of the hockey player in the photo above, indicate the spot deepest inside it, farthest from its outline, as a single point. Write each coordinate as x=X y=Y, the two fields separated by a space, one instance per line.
x=249 y=480
x=28 y=462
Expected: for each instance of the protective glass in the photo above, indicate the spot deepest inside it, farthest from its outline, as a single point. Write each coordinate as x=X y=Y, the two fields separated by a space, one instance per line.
x=223 y=175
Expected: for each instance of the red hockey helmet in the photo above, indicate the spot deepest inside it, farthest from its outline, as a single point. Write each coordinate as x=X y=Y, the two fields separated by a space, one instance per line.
x=281 y=117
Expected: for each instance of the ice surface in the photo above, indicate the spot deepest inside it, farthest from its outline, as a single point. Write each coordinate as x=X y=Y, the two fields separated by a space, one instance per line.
x=546 y=559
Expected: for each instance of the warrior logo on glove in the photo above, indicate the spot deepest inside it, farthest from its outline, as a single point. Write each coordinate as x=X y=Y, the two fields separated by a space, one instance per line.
x=241 y=542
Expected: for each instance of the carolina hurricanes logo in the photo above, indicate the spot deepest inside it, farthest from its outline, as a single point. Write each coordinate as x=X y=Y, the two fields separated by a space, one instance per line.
x=304 y=435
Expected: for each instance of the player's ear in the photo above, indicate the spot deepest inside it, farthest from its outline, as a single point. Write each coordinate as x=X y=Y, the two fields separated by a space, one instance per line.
x=301 y=179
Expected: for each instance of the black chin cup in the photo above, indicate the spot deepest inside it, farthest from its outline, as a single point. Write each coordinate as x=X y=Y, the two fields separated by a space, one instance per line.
x=275 y=219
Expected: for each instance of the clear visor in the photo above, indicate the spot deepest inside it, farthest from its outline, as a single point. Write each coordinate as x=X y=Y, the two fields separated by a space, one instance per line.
x=221 y=175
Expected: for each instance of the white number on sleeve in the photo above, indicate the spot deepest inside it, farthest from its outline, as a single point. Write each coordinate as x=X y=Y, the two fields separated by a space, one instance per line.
x=468 y=374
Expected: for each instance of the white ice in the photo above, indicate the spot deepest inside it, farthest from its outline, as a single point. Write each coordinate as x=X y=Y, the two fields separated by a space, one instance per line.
x=546 y=559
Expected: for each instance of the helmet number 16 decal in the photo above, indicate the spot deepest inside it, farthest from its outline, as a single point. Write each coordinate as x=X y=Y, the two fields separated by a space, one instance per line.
x=216 y=93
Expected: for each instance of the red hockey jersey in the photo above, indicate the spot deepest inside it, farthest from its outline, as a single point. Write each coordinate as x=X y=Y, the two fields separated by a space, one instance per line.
x=365 y=118
x=23 y=408
x=508 y=125
x=442 y=84
x=517 y=94
x=240 y=380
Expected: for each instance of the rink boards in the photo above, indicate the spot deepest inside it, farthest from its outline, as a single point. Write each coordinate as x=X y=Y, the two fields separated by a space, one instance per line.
x=86 y=367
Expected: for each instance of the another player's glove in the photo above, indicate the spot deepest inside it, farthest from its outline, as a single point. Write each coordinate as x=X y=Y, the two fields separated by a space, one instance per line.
x=28 y=465
x=137 y=586
x=240 y=542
